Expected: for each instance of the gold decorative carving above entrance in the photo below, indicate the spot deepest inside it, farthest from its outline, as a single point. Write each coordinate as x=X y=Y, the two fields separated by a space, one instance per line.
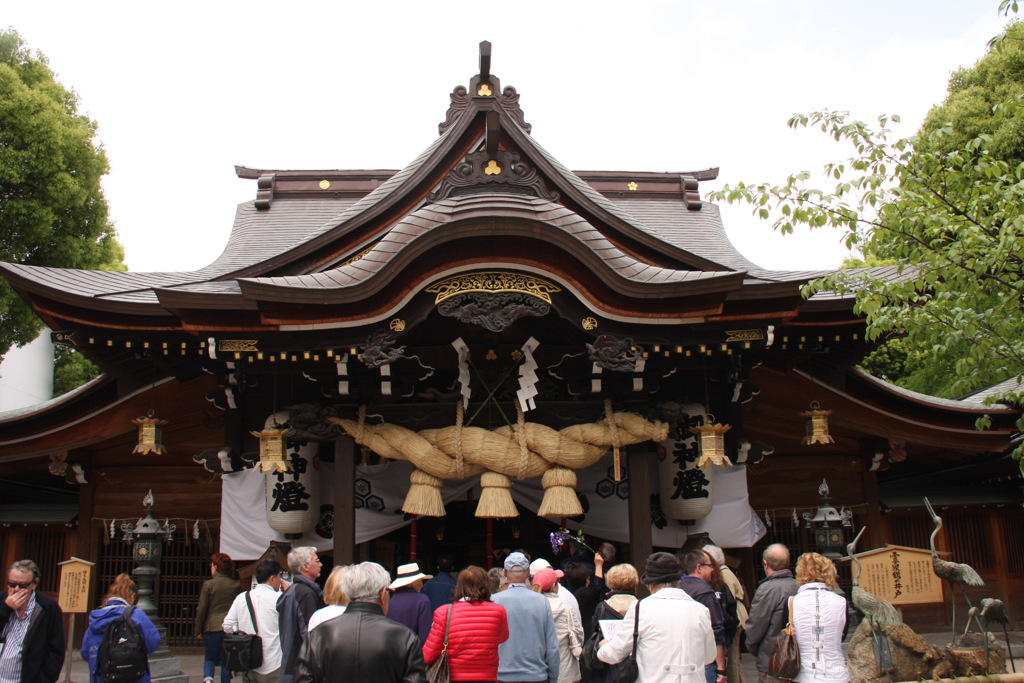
x=744 y=335
x=237 y=344
x=493 y=282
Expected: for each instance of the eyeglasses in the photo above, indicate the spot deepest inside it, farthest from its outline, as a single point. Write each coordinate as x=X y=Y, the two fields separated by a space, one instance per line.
x=17 y=584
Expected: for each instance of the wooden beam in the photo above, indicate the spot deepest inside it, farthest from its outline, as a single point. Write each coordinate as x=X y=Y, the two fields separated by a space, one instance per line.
x=639 y=469
x=344 y=501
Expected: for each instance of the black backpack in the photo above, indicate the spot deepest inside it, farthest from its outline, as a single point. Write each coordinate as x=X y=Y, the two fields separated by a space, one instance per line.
x=122 y=657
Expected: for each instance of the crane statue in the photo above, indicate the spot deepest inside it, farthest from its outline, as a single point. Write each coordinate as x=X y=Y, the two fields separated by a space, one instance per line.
x=993 y=611
x=879 y=612
x=955 y=573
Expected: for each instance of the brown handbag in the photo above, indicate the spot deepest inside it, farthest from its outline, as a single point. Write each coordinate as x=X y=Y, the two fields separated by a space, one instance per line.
x=439 y=671
x=784 y=661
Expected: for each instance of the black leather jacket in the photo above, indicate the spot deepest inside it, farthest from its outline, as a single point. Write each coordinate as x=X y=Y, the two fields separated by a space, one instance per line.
x=361 y=645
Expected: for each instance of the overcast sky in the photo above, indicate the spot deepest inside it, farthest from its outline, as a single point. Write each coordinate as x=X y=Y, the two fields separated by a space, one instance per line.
x=184 y=91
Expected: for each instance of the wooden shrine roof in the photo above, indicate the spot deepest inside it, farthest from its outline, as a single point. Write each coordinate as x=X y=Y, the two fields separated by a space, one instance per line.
x=317 y=238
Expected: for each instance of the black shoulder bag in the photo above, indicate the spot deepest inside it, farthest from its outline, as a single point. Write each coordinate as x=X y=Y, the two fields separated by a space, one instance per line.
x=243 y=651
x=630 y=669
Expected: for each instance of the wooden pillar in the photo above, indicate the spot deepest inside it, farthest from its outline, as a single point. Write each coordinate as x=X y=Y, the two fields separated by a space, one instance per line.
x=344 y=501
x=639 y=469
x=876 y=536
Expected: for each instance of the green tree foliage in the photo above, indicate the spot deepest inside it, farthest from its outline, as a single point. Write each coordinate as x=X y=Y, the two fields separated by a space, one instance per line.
x=71 y=370
x=922 y=360
x=953 y=221
x=52 y=210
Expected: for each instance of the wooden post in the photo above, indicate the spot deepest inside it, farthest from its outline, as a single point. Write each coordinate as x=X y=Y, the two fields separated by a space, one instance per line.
x=877 y=534
x=344 y=501
x=639 y=469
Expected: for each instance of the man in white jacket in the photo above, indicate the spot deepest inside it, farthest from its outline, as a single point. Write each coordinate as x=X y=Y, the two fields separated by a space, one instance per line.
x=264 y=604
x=674 y=640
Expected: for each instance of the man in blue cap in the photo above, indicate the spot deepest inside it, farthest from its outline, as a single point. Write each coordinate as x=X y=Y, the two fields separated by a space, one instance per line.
x=530 y=655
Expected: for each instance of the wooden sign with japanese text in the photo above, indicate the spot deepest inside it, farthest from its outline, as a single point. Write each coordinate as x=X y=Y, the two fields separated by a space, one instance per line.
x=901 y=575
x=74 y=585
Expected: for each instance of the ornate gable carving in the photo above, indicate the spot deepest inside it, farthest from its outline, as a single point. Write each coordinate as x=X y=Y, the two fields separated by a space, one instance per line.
x=484 y=85
x=498 y=172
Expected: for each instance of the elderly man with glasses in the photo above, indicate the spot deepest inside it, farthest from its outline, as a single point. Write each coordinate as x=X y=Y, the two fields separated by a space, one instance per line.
x=31 y=629
x=697 y=570
x=297 y=604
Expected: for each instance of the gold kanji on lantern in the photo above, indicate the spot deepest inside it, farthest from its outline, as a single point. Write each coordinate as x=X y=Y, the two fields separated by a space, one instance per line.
x=817 y=425
x=712 y=442
x=150 y=435
x=273 y=443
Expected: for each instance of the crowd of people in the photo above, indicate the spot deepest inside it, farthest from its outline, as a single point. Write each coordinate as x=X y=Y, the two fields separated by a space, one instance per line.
x=525 y=622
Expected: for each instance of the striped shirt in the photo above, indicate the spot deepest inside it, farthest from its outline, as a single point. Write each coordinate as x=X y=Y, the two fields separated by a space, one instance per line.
x=13 y=640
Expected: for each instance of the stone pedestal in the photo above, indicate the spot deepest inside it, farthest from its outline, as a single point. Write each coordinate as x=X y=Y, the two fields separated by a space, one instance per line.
x=163 y=666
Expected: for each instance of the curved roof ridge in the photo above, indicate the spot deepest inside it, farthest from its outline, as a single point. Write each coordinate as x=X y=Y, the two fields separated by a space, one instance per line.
x=458 y=211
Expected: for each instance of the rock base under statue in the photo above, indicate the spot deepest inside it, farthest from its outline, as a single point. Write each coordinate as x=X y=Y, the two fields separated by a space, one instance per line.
x=968 y=658
x=912 y=657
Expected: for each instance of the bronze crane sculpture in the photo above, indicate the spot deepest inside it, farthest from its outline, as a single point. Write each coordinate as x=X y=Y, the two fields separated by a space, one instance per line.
x=879 y=612
x=993 y=611
x=955 y=573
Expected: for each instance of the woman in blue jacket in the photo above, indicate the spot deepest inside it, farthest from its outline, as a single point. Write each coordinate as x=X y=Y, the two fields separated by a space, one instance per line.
x=120 y=596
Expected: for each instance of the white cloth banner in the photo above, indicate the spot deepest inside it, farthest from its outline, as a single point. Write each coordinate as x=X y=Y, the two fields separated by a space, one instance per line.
x=380 y=492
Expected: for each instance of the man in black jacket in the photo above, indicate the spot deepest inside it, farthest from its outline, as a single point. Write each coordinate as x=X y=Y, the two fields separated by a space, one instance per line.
x=697 y=570
x=769 y=610
x=296 y=605
x=31 y=629
x=362 y=644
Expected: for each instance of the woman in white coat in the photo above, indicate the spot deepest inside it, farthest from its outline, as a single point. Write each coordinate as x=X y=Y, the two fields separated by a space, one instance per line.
x=819 y=621
x=568 y=629
x=674 y=639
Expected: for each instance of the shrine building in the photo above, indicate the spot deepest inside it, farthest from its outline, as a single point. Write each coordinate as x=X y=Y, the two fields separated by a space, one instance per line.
x=469 y=353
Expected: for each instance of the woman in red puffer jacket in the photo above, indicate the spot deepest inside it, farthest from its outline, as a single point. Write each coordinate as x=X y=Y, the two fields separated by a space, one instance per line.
x=477 y=627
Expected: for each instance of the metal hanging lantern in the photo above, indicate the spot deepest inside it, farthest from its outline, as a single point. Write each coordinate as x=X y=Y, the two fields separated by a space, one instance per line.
x=712 y=442
x=273 y=444
x=817 y=425
x=150 y=435
x=827 y=523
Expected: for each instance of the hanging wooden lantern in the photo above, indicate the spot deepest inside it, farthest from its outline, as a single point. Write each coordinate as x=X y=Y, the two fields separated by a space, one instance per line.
x=150 y=435
x=817 y=425
x=712 y=442
x=273 y=444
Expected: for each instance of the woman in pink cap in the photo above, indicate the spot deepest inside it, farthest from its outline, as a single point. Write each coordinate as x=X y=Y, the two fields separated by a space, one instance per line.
x=568 y=628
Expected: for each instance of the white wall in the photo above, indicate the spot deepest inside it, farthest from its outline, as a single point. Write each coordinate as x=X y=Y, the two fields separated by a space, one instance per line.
x=26 y=374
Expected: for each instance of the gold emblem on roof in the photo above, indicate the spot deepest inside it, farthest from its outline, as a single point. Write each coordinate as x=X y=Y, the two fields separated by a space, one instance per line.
x=632 y=187
x=492 y=168
x=743 y=335
x=493 y=281
x=484 y=90
x=237 y=345
x=589 y=324
x=325 y=184
x=397 y=325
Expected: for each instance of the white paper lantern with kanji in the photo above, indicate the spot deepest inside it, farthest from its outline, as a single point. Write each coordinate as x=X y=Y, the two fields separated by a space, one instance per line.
x=293 y=496
x=686 y=490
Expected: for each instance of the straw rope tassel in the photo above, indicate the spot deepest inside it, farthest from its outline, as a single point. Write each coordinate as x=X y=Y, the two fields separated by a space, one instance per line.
x=496 y=497
x=424 y=496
